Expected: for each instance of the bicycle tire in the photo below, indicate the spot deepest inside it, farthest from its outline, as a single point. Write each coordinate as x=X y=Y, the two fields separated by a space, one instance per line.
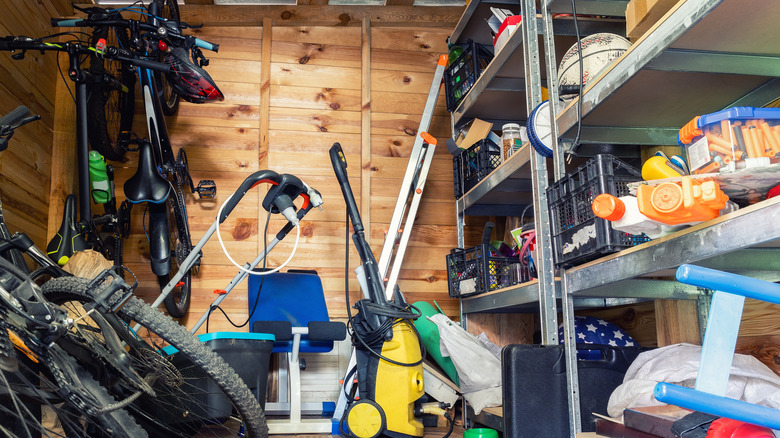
x=110 y=110
x=169 y=99
x=177 y=303
x=182 y=380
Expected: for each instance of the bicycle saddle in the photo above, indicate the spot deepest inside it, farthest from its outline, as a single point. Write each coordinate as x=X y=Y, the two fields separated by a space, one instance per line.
x=147 y=185
x=68 y=239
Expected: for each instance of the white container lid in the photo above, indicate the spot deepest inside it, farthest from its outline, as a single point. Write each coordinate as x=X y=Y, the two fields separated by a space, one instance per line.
x=510 y=126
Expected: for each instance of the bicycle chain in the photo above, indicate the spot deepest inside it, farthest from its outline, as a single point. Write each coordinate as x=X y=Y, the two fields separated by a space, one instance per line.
x=8 y=360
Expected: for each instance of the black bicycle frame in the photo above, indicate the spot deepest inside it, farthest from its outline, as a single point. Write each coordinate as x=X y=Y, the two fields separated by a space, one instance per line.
x=159 y=228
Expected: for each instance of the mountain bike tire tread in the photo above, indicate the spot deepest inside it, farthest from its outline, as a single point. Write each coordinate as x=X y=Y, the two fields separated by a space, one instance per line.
x=176 y=335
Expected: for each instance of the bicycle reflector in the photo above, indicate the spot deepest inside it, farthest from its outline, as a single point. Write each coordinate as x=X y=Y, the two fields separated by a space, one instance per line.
x=189 y=81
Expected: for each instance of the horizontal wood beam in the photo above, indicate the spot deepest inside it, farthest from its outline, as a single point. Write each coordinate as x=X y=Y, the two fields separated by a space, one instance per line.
x=318 y=15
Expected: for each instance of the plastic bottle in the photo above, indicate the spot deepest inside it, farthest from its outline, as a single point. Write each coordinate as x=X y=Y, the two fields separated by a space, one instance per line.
x=455 y=52
x=510 y=139
x=98 y=178
x=625 y=216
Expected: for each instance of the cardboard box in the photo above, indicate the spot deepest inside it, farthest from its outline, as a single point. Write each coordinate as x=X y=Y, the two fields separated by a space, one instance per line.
x=474 y=132
x=641 y=15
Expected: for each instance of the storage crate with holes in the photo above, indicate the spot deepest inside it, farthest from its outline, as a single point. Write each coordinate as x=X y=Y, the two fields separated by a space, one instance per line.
x=578 y=235
x=463 y=72
x=474 y=164
x=481 y=269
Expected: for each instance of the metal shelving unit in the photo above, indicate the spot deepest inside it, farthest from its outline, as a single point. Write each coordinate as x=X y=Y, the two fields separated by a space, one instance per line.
x=522 y=179
x=508 y=89
x=704 y=55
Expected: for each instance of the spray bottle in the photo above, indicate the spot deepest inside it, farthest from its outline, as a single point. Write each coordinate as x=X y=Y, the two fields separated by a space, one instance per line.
x=625 y=216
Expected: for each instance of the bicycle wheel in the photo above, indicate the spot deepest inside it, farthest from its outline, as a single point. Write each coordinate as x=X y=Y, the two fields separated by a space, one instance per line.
x=111 y=101
x=169 y=100
x=177 y=303
x=195 y=391
x=48 y=393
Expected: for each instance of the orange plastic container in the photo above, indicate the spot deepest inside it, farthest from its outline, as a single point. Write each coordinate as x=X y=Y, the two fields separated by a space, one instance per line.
x=681 y=202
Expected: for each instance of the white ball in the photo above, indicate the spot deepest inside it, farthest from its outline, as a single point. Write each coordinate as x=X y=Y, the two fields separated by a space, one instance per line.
x=598 y=51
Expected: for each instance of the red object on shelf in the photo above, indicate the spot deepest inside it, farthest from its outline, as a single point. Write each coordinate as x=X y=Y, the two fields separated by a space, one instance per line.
x=728 y=428
x=774 y=191
x=501 y=38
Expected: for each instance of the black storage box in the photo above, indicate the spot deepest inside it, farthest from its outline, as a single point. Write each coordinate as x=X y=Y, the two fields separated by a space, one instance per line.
x=578 y=235
x=463 y=72
x=535 y=396
x=474 y=164
x=249 y=354
x=480 y=269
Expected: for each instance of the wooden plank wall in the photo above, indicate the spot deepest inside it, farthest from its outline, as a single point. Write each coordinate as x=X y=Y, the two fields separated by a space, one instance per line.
x=291 y=92
x=26 y=165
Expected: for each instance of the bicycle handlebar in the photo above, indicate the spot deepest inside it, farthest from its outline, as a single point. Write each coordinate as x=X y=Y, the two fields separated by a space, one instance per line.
x=11 y=43
x=160 y=32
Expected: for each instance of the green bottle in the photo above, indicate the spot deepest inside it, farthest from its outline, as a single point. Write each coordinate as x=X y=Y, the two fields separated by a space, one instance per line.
x=98 y=178
x=455 y=52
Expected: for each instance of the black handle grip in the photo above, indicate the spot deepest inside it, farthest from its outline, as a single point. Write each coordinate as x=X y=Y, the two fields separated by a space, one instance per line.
x=143 y=63
x=339 y=163
x=14 y=117
x=252 y=180
x=130 y=58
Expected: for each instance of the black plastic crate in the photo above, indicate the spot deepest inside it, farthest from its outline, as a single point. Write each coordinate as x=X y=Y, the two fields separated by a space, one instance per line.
x=578 y=234
x=480 y=269
x=464 y=71
x=474 y=164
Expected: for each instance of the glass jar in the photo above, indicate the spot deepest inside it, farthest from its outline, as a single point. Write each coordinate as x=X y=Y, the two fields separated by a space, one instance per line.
x=511 y=140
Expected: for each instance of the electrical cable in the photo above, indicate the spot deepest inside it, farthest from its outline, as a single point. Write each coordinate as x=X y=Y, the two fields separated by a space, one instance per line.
x=576 y=144
x=259 y=288
x=224 y=249
x=397 y=313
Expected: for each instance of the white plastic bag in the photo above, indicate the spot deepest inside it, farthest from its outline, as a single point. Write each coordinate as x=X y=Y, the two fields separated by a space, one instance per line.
x=479 y=371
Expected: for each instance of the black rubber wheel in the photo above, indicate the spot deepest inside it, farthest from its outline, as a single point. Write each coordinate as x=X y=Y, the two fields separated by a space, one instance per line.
x=195 y=391
x=169 y=100
x=177 y=303
x=111 y=100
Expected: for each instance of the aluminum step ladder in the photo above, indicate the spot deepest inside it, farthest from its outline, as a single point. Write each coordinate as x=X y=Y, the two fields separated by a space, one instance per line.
x=405 y=211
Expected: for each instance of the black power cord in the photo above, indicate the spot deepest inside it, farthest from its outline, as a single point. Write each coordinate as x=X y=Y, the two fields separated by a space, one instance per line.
x=259 y=289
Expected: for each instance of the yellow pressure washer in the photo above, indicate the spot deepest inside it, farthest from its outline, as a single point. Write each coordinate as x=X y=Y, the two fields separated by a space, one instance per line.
x=387 y=348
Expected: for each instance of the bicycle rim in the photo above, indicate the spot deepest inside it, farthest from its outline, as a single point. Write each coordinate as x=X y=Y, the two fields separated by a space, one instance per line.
x=177 y=303
x=111 y=111
x=195 y=391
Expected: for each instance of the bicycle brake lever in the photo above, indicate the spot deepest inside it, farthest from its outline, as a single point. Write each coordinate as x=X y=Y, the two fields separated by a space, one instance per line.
x=184 y=25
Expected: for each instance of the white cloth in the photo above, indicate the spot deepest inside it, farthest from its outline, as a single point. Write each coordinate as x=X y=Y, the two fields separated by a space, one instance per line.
x=750 y=380
x=479 y=371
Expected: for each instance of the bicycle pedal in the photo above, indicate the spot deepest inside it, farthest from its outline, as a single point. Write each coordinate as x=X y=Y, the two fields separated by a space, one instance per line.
x=207 y=189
